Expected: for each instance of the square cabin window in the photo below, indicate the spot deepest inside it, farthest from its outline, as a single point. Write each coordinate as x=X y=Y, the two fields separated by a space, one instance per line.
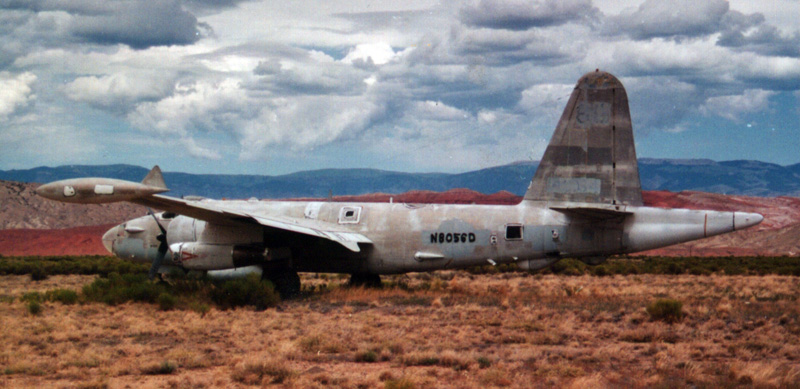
x=513 y=231
x=349 y=215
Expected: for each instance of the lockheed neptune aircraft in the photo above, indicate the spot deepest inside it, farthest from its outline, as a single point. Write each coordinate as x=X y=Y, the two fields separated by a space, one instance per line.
x=585 y=202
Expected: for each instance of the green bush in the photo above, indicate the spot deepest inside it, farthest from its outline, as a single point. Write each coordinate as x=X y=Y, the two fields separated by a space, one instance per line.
x=166 y=301
x=667 y=310
x=368 y=356
x=38 y=274
x=401 y=383
x=42 y=267
x=118 y=289
x=34 y=307
x=184 y=293
x=31 y=297
x=166 y=367
x=63 y=296
x=250 y=290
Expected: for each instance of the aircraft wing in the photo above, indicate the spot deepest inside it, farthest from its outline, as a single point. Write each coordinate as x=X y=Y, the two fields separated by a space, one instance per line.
x=221 y=214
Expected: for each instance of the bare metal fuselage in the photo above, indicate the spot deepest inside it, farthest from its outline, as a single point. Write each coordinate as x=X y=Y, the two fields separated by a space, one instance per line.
x=426 y=237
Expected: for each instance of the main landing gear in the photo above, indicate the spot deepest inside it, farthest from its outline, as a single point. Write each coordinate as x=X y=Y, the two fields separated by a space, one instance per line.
x=286 y=281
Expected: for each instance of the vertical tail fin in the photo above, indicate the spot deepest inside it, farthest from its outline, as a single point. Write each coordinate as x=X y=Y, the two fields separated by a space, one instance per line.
x=155 y=178
x=591 y=157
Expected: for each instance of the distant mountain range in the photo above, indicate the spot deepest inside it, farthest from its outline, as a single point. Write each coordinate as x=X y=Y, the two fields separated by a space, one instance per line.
x=752 y=178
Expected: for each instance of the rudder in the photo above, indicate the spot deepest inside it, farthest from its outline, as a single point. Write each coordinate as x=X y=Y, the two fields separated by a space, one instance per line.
x=591 y=157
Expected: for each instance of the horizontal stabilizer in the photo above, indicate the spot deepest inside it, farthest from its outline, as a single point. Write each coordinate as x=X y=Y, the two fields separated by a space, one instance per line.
x=599 y=213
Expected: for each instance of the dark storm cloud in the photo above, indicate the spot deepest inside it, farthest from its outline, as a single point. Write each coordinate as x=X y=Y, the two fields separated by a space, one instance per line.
x=523 y=15
x=142 y=24
x=667 y=19
x=214 y=4
x=750 y=33
x=136 y=23
x=692 y=19
x=504 y=47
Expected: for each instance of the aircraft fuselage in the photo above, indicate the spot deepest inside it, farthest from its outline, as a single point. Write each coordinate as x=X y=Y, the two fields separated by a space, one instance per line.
x=422 y=237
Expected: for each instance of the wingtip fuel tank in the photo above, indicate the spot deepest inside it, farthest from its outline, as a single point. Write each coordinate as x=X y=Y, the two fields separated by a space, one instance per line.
x=102 y=190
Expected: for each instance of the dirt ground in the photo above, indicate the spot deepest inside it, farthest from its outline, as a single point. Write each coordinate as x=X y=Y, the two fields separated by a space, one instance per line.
x=446 y=329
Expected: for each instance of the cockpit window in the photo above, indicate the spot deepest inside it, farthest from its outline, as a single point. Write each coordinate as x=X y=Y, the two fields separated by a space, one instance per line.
x=168 y=215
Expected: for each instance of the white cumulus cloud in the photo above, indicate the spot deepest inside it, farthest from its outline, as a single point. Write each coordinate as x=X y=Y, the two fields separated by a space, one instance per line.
x=202 y=105
x=15 y=92
x=376 y=53
x=734 y=106
x=116 y=91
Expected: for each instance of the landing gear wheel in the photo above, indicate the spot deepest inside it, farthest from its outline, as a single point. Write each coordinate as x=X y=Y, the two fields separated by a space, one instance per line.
x=287 y=283
x=366 y=280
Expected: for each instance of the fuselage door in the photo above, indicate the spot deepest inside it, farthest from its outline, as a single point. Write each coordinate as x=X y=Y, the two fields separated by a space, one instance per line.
x=552 y=239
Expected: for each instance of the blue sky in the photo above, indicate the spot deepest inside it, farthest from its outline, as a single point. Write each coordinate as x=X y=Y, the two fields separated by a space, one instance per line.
x=263 y=87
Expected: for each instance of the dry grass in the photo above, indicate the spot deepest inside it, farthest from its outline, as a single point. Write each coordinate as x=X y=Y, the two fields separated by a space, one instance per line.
x=447 y=329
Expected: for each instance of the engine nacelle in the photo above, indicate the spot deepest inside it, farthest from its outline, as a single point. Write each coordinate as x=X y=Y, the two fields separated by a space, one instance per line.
x=205 y=256
x=184 y=229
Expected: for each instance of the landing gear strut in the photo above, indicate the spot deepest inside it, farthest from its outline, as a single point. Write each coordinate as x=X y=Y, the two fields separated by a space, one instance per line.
x=365 y=280
x=287 y=282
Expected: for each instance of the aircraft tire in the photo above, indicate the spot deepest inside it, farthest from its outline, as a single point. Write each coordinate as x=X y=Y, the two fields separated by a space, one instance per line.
x=287 y=283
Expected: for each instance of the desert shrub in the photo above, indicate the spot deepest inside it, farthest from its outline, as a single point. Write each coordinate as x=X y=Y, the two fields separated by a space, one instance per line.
x=47 y=266
x=166 y=301
x=34 y=307
x=118 y=289
x=310 y=343
x=623 y=265
x=421 y=359
x=569 y=267
x=194 y=294
x=484 y=362
x=600 y=271
x=255 y=373
x=165 y=367
x=250 y=290
x=199 y=307
x=368 y=356
x=32 y=296
x=667 y=310
x=38 y=274
x=400 y=383
x=63 y=296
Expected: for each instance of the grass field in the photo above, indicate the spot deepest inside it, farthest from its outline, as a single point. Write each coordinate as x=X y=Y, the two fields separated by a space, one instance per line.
x=443 y=329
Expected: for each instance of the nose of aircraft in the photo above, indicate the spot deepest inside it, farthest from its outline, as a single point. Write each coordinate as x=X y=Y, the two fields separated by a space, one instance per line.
x=108 y=239
x=742 y=220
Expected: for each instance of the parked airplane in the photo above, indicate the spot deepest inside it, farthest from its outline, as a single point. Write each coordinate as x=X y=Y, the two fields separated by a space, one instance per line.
x=585 y=201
